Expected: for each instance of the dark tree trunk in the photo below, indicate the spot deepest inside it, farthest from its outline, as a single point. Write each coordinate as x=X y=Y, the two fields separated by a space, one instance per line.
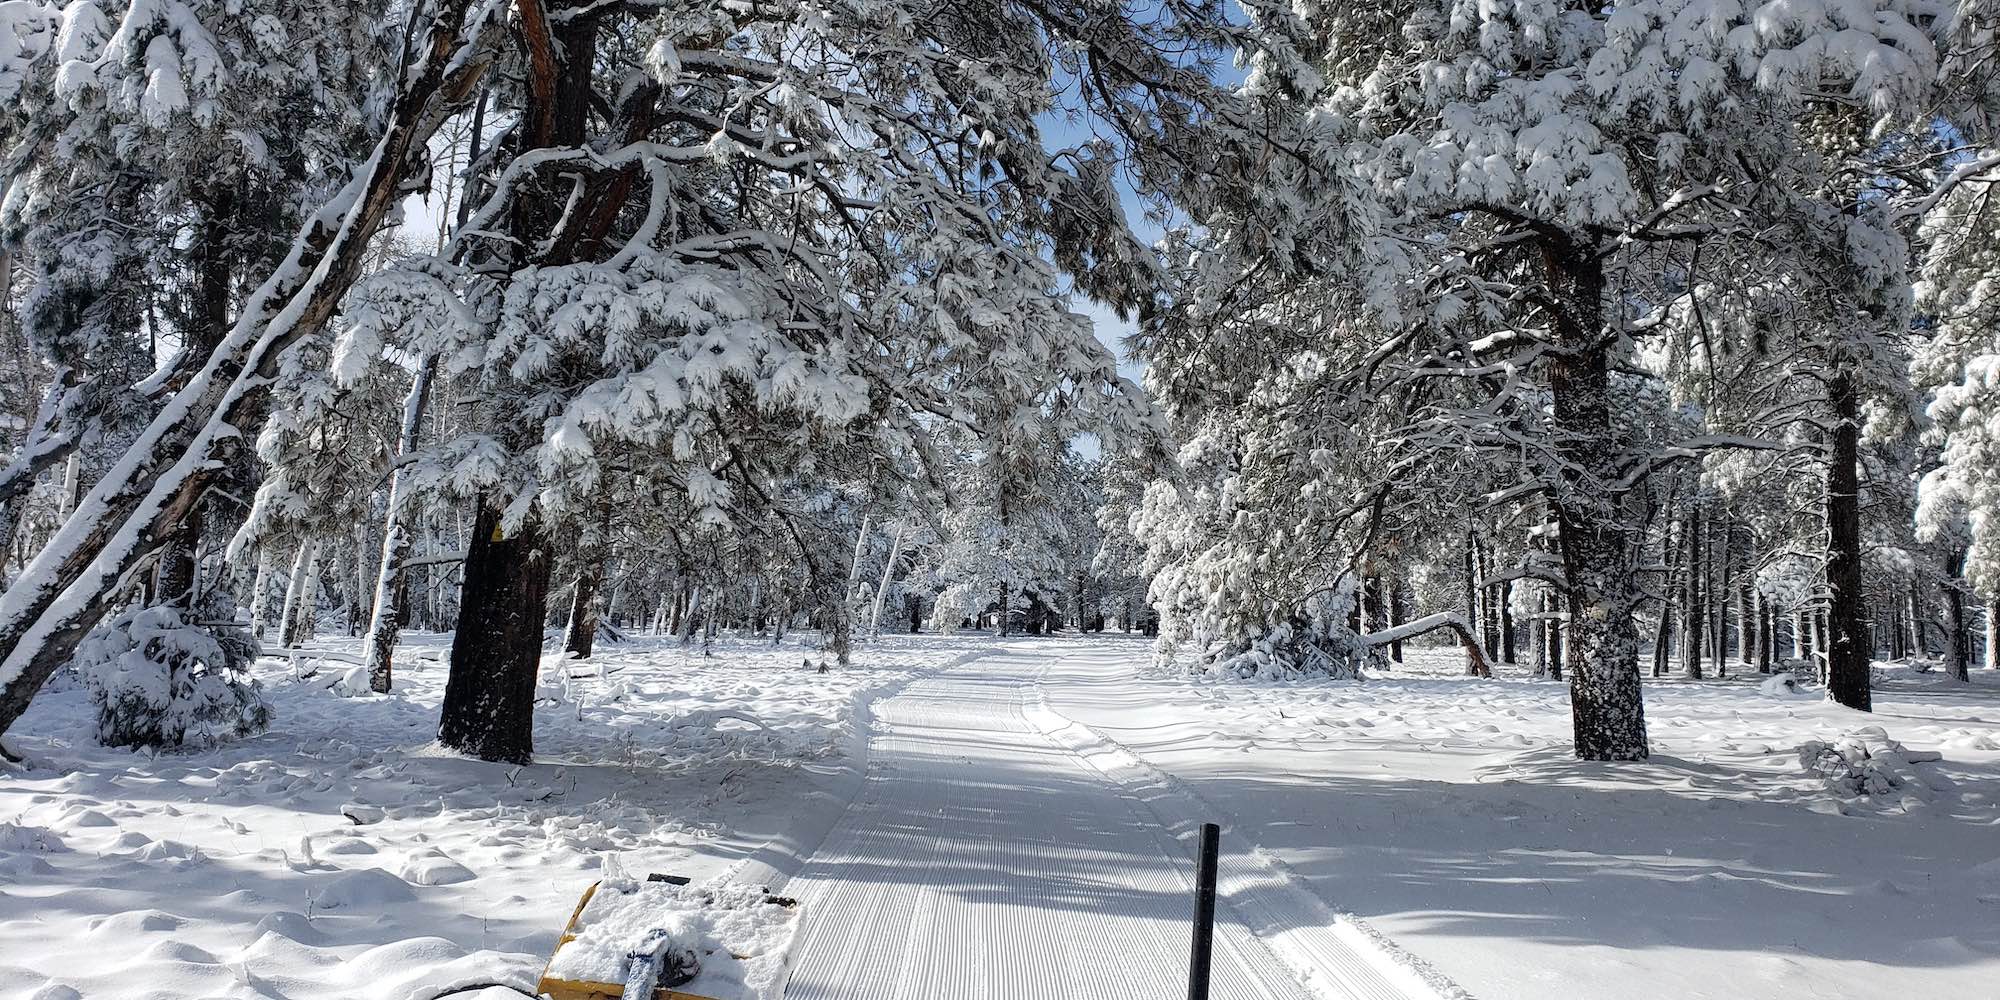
x=1396 y=613
x=1694 y=631
x=1672 y=541
x=180 y=571
x=1471 y=579
x=1767 y=639
x=1722 y=597
x=1507 y=644
x=489 y=699
x=592 y=549
x=1558 y=602
x=1847 y=646
x=1608 y=712
x=1958 y=652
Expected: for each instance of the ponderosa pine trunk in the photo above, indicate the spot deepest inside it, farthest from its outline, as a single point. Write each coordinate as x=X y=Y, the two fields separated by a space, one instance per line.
x=489 y=699
x=1608 y=712
x=1847 y=645
x=1958 y=652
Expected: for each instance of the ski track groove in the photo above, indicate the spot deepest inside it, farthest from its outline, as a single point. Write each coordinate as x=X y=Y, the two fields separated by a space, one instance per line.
x=990 y=856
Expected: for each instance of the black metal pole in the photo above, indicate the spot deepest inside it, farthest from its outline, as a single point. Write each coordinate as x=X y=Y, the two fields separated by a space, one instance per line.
x=1204 y=913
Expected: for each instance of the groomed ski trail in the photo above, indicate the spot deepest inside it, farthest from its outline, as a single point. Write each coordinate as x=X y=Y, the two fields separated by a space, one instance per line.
x=986 y=857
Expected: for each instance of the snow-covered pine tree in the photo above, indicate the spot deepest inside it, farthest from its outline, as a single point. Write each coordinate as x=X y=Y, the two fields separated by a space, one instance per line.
x=733 y=278
x=1957 y=362
x=1510 y=188
x=160 y=68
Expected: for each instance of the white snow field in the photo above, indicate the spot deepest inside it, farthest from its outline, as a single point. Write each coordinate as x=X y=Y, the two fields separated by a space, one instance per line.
x=1020 y=824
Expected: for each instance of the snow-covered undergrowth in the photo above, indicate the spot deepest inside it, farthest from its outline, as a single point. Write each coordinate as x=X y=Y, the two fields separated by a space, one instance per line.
x=340 y=854
x=1449 y=813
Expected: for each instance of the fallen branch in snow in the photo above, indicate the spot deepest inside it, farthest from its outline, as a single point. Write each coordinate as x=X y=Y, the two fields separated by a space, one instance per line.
x=1476 y=664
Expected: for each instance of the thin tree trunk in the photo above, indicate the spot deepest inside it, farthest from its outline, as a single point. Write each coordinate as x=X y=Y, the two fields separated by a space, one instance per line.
x=1992 y=634
x=489 y=698
x=1507 y=643
x=1916 y=606
x=1396 y=617
x=295 y=588
x=1847 y=680
x=1746 y=622
x=385 y=624
x=1558 y=603
x=591 y=552
x=1694 y=631
x=260 y=593
x=304 y=620
x=888 y=572
x=1722 y=598
x=684 y=631
x=1767 y=640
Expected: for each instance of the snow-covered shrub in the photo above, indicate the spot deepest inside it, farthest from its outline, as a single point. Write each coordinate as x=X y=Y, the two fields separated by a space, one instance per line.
x=1290 y=650
x=1866 y=762
x=158 y=679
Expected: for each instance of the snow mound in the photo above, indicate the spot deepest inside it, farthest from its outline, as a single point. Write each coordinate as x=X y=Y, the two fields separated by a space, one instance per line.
x=353 y=683
x=1781 y=685
x=363 y=887
x=435 y=867
x=736 y=939
x=1867 y=763
x=15 y=837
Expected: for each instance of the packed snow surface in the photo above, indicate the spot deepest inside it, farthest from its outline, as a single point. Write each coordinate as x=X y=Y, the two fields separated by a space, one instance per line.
x=964 y=817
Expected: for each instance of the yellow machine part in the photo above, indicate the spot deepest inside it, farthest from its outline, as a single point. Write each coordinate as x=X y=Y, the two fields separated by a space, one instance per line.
x=571 y=989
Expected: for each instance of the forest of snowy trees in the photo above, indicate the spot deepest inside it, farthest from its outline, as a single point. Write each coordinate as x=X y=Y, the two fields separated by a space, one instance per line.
x=1619 y=340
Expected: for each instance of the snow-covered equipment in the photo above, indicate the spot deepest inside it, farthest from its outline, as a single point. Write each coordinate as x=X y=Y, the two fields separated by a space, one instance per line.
x=649 y=939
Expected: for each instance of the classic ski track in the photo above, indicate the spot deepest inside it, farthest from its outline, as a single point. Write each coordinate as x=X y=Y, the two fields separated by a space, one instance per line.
x=1336 y=953
x=986 y=857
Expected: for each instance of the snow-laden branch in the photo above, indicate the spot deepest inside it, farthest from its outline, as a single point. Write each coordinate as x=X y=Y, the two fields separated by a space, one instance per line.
x=1475 y=657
